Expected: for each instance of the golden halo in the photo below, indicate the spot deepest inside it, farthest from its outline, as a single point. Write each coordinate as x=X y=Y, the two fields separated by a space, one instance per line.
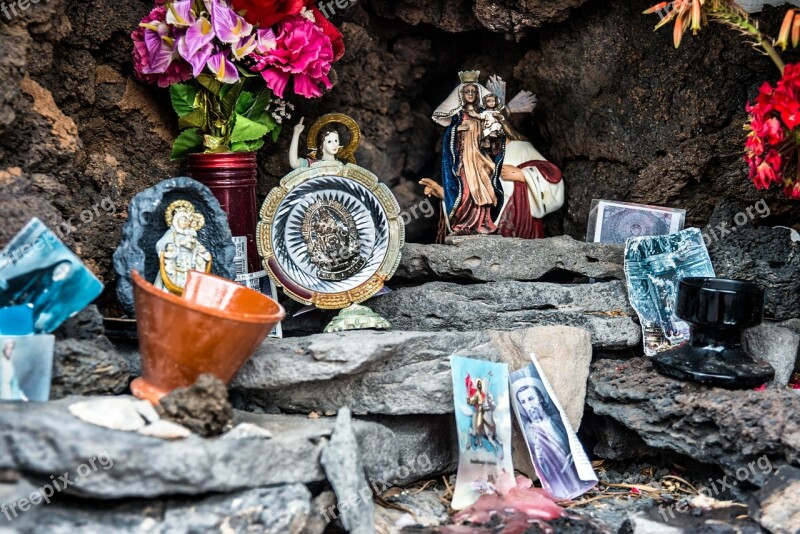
x=346 y=153
x=172 y=208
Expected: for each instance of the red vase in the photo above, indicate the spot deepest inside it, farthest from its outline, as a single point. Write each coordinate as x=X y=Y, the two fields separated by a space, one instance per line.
x=231 y=176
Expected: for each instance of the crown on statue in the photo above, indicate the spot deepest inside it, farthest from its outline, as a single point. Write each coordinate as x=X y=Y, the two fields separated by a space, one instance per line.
x=469 y=76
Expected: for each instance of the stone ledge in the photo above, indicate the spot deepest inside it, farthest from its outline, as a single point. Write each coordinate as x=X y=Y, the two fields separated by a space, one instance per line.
x=730 y=429
x=494 y=259
x=601 y=308
x=44 y=439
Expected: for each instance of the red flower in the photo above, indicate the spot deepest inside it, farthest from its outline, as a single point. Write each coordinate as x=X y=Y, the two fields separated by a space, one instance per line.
x=772 y=146
x=333 y=33
x=266 y=13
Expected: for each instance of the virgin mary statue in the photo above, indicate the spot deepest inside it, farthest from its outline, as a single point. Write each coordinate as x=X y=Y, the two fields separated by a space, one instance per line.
x=491 y=185
x=473 y=194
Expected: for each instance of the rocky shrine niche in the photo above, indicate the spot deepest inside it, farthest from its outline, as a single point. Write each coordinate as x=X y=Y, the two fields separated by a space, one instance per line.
x=621 y=112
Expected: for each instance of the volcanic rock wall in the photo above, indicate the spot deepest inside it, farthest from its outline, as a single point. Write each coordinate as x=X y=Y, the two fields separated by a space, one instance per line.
x=622 y=112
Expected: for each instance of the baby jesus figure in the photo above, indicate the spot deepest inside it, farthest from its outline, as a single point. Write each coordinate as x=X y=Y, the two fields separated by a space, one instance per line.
x=490 y=120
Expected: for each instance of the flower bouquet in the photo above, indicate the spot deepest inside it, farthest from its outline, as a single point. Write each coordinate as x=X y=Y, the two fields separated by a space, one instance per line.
x=772 y=149
x=228 y=66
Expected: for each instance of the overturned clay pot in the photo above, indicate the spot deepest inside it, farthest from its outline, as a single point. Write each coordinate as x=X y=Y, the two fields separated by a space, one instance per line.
x=213 y=328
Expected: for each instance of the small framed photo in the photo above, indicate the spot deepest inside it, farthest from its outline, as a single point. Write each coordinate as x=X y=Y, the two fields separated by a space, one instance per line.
x=614 y=222
x=26 y=367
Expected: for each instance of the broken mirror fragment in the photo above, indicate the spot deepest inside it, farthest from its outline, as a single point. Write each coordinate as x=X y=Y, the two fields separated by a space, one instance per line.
x=653 y=268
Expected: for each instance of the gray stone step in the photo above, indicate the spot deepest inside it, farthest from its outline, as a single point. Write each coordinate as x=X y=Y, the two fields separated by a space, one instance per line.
x=44 y=439
x=493 y=258
x=601 y=308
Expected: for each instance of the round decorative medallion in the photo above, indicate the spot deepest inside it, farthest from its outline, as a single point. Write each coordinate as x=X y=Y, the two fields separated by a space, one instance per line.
x=330 y=234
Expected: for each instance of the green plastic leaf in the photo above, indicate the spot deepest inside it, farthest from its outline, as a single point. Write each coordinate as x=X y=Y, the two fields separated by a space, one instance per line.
x=263 y=99
x=275 y=133
x=246 y=130
x=246 y=100
x=230 y=98
x=188 y=142
x=210 y=83
x=247 y=146
x=182 y=96
x=195 y=119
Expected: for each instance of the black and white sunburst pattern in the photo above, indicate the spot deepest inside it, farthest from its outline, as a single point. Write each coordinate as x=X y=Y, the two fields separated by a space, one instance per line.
x=287 y=231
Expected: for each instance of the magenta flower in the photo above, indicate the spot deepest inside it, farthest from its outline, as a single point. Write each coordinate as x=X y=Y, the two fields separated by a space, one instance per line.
x=223 y=69
x=245 y=46
x=301 y=51
x=266 y=41
x=196 y=45
x=228 y=25
x=180 y=13
x=153 y=47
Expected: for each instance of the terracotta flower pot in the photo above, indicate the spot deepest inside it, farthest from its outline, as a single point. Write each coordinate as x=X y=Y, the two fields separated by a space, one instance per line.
x=213 y=328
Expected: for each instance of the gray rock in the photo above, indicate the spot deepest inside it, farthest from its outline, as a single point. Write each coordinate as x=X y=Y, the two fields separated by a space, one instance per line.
x=426 y=510
x=43 y=439
x=382 y=373
x=684 y=519
x=493 y=258
x=341 y=460
x=776 y=345
x=746 y=433
x=600 y=308
x=275 y=509
x=760 y=254
x=776 y=506
x=380 y=448
x=146 y=225
x=428 y=445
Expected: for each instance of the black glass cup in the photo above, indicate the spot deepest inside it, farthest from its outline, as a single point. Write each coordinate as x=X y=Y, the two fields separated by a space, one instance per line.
x=718 y=310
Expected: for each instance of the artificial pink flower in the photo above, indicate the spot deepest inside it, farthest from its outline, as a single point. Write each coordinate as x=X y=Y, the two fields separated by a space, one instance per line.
x=302 y=52
x=153 y=60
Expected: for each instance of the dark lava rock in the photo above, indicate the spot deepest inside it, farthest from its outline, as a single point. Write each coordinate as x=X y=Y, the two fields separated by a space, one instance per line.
x=760 y=254
x=146 y=225
x=88 y=367
x=203 y=408
x=776 y=506
x=746 y=433
x=86 y=325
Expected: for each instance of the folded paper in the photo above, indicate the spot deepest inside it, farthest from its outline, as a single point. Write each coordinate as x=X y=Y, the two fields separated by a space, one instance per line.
x=557 y=454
